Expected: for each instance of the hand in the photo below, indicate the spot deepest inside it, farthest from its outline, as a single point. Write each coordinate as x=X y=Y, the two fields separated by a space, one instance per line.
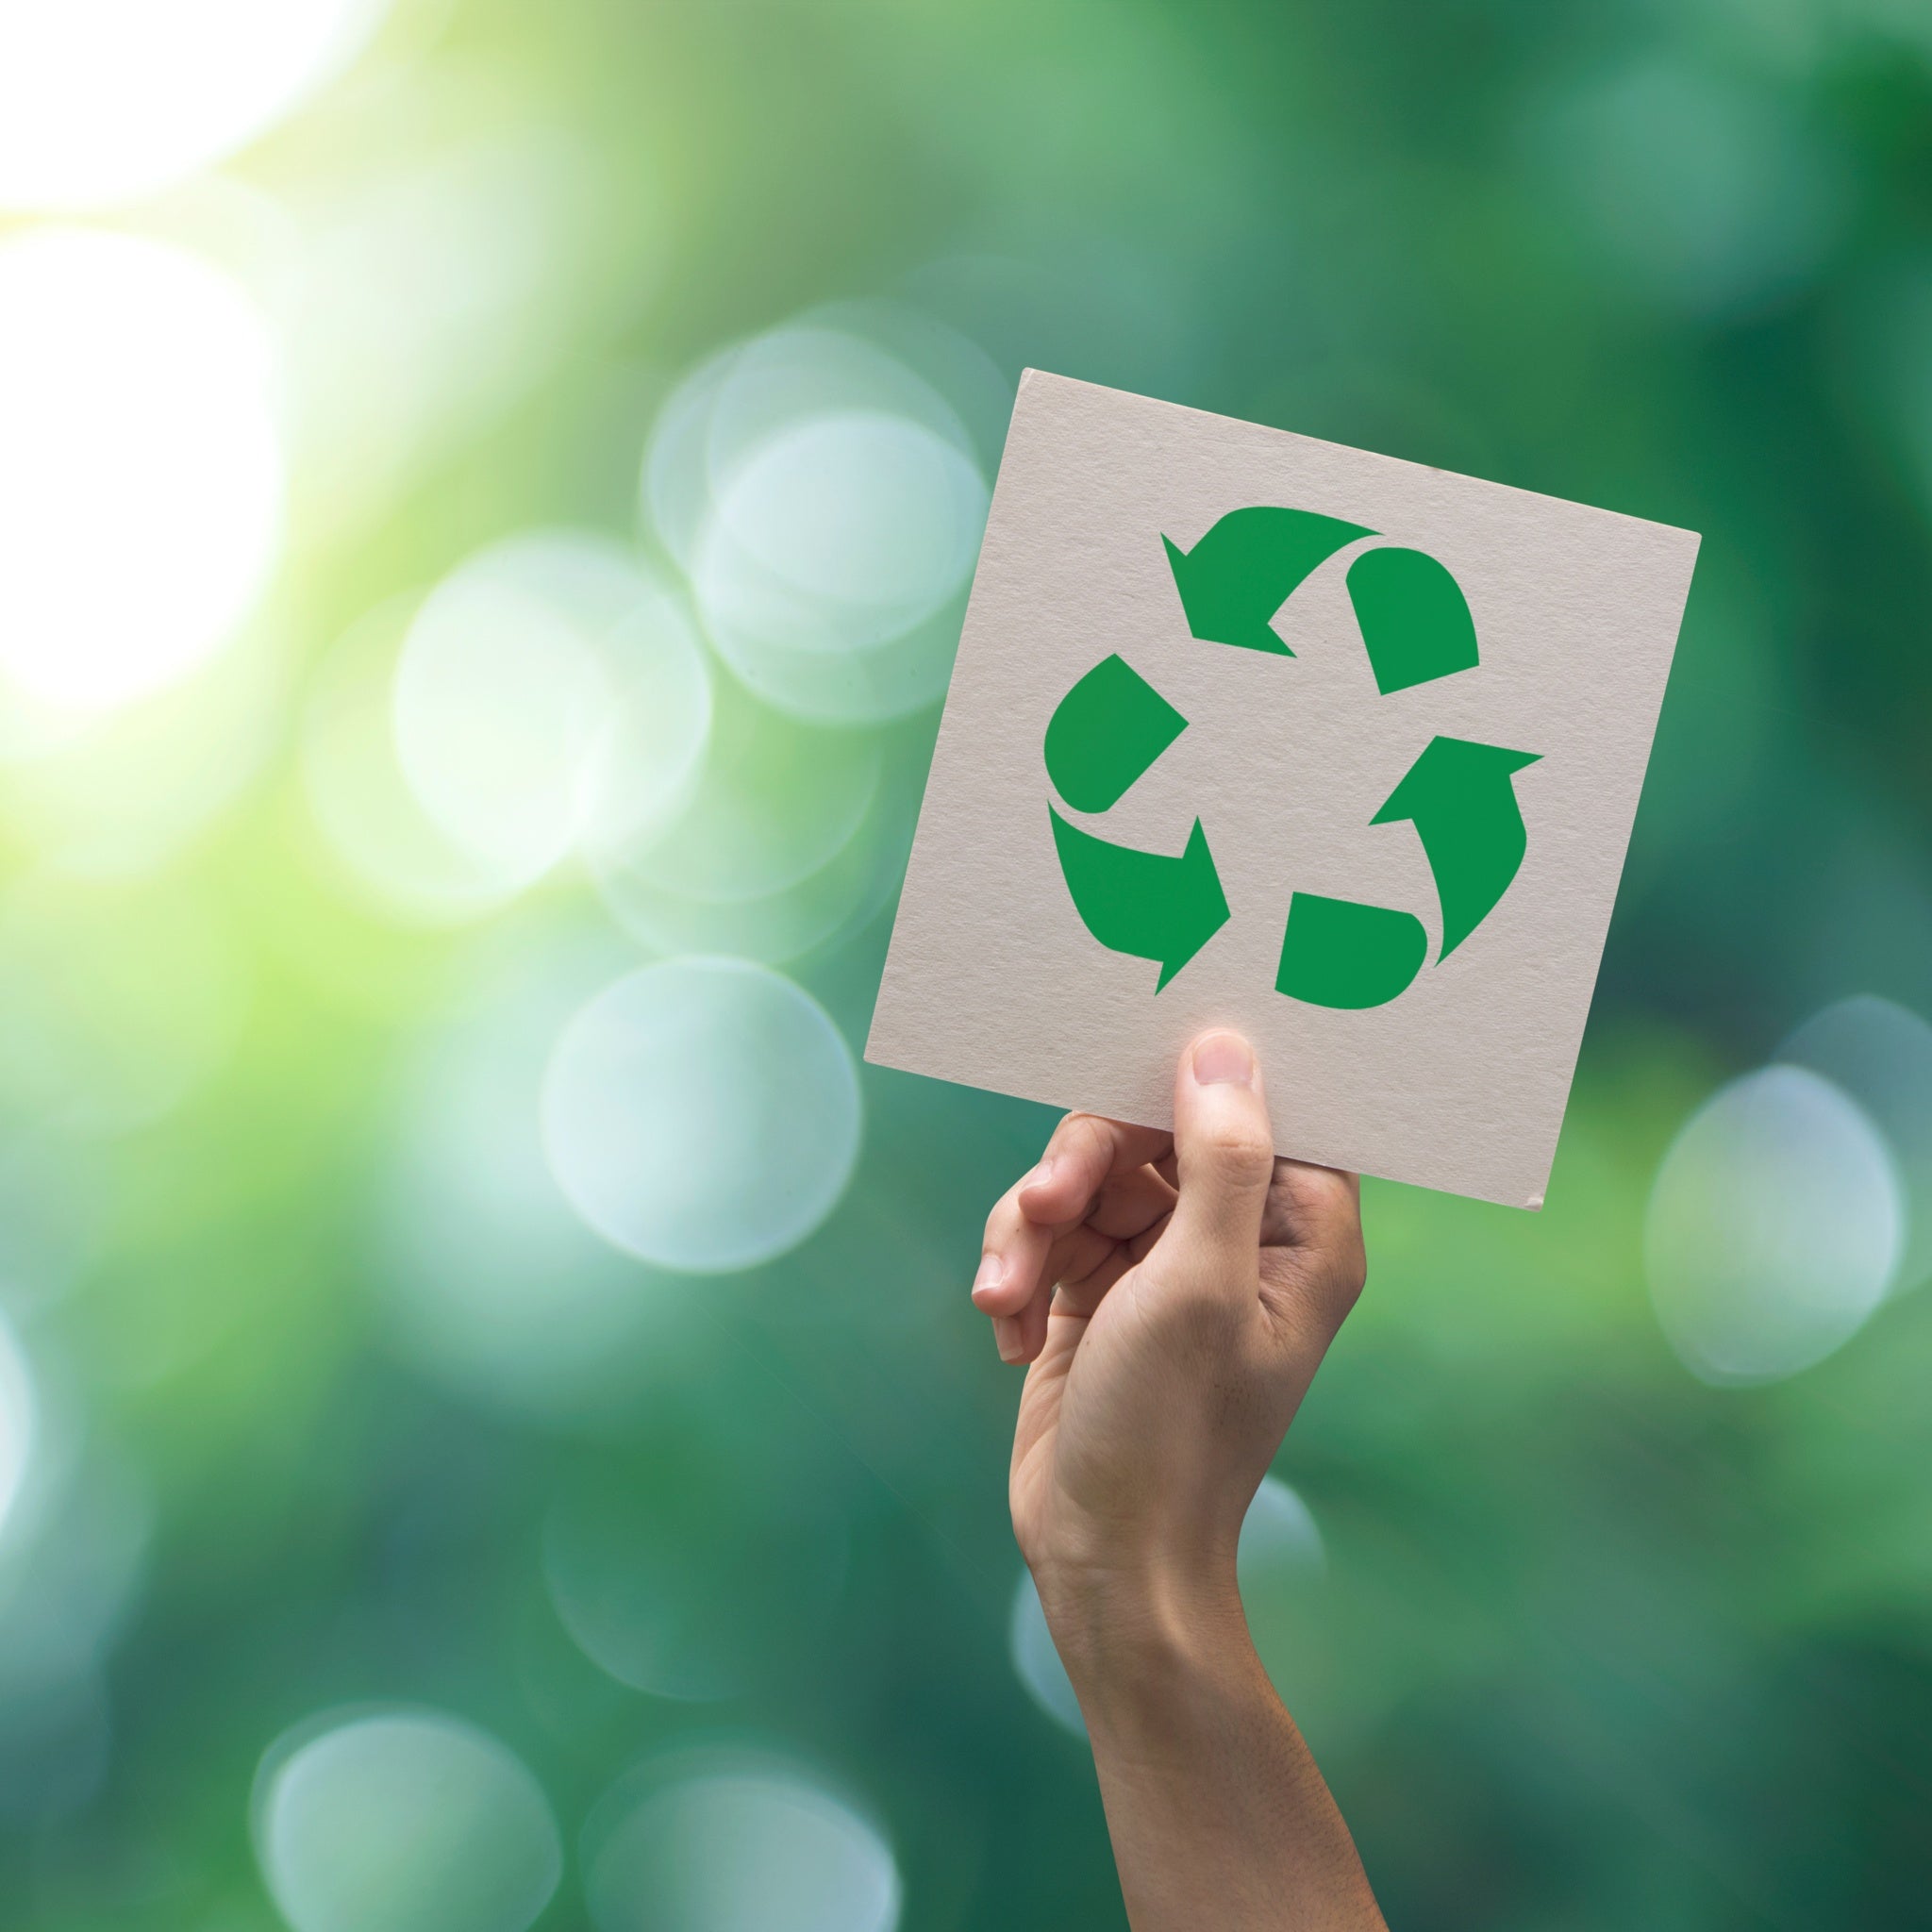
x=1175 y=1296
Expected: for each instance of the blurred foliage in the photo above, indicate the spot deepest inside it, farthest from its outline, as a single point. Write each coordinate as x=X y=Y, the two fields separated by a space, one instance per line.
x=1598 y=1645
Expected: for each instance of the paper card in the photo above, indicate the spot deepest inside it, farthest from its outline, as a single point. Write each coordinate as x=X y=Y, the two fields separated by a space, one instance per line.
x=1252 y=730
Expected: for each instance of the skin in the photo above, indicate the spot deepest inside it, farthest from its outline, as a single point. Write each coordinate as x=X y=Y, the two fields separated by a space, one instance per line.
x=1172 y=1295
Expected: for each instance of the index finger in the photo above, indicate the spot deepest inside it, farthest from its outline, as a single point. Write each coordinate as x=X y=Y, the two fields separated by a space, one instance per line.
x=1084 y=1154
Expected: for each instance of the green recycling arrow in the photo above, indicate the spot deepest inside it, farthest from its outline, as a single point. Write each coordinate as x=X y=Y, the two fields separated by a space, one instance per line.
x=1235 y=580
x=1464 y=807
x=1414 y=618
x=1143 y=903
x=1104 y=733
x=1112 y=726
x=1336 y=953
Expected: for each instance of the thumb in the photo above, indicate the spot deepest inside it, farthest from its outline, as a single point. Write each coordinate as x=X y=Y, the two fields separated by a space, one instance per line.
x=1223 y=1153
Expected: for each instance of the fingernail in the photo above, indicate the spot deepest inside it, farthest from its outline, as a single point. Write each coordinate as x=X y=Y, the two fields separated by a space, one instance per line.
x=1043 y=1172
x=991 y=1272
x=1005 y=1337
x=1223 y=1060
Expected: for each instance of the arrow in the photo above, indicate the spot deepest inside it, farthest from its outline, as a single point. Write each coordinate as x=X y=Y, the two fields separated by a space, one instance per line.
x=1104 y=733
x=1464 y=807
x=1143 y=903
x=1235 y=580
x=1415 y=620
x=1336 y=953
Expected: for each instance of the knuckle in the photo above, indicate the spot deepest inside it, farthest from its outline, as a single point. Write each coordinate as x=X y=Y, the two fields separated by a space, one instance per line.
x=1236 y=1152
x=1001 y=1222
x=1339 y=1285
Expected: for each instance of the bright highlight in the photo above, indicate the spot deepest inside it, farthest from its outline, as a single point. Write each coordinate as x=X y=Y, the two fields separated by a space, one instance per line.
x=140 y=465
x=106 y=101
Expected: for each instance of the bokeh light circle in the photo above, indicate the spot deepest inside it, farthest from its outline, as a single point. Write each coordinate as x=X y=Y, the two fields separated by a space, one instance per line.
x=776 y=801
x=789 y=836
x=489 y=1280
x=403 y=1820
x=140 y=465
x=702 y=1114
x=72 y=1556
x=751 y=1844
x=103 y=101
x=666 y=1591
x=16 y=1422
x=1880 y=1053
x=1280 y=1540
x=1036 y=1661
x=1280 y=1553
x=826 y=501
x=841 y=531
x=550 y=694
x=1774 y=1229
x=382 y=843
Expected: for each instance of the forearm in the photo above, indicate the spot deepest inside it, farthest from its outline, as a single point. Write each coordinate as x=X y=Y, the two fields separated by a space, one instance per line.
x=1218 y=1814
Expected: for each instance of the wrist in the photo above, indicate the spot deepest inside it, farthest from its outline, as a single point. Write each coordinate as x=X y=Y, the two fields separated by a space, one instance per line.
x=1138 y=1641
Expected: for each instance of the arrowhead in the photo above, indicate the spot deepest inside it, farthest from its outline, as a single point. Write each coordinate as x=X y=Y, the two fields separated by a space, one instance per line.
x=1199 y=909
x=1234 y=580
x=1466 y=814
x=1220 y=603
x=1449 y=771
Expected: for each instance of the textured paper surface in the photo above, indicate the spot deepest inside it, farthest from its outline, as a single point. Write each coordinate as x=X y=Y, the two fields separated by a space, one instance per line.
x=1460 y=1082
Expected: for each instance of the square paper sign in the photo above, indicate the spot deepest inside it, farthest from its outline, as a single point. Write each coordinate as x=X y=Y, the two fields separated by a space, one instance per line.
x=1256 y=732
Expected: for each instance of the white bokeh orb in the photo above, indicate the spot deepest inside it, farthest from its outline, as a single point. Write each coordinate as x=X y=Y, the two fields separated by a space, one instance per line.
x=1774 y=1225
x=106 y=101
x=140 y=465
x=855 y=685
x=841 y=531
x=702 y=1114
x=1880 y=1053
x=826 y=502
x=746 y=1844
x=550 y=695
x=403 y=1820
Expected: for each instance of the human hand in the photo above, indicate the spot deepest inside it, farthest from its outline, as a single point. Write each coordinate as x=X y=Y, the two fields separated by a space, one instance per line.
x=1174 y=1295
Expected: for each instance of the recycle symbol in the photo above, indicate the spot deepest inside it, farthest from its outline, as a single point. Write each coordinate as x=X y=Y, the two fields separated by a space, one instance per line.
x=1461 y=796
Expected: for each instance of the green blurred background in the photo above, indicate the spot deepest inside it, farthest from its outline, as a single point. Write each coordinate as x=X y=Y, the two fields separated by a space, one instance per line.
x=491 y=1428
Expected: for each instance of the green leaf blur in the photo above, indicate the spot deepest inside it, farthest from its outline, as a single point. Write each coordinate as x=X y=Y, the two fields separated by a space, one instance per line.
x=412 y=1516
